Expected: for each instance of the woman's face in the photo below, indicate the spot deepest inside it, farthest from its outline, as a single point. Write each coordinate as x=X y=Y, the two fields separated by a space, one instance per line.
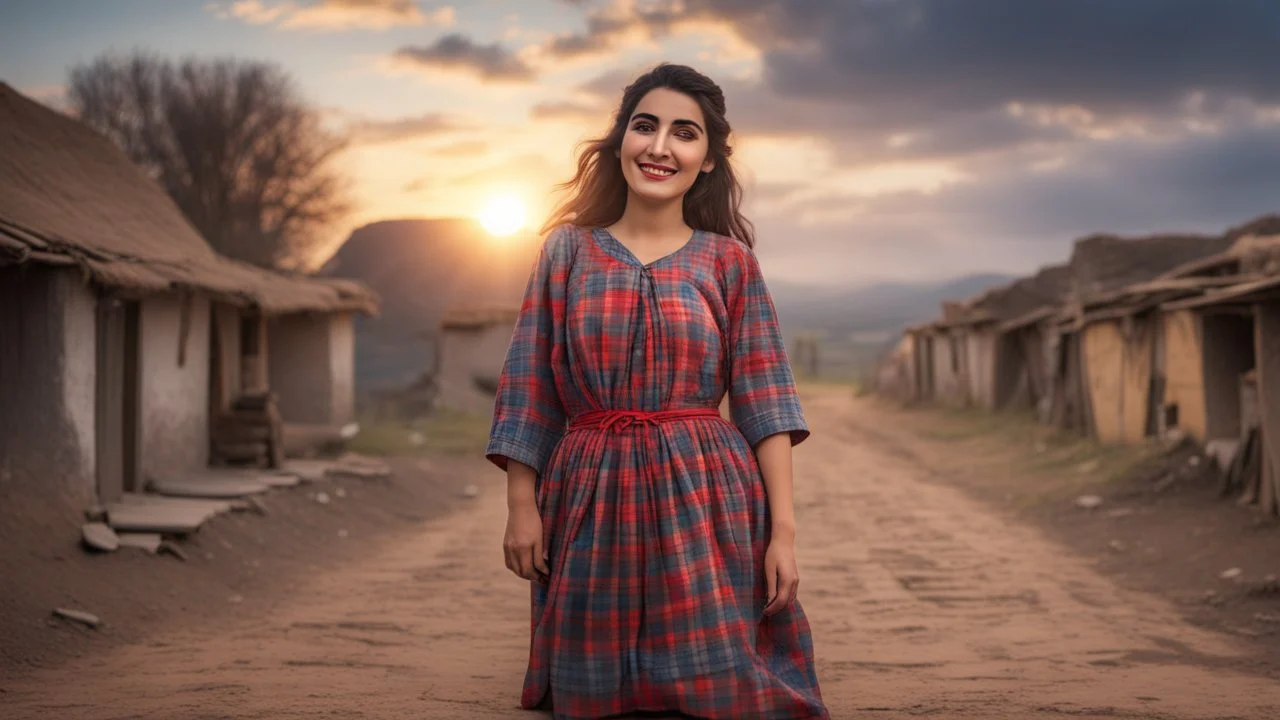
x=665 y=146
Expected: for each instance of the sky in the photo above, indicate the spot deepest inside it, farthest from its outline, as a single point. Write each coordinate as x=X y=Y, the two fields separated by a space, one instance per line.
x=879 y=139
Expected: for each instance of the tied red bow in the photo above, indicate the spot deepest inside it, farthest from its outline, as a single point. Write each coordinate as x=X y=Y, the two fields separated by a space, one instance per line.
x=620 y=420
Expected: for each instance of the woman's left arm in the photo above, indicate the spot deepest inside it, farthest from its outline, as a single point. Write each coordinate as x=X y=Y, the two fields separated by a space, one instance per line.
x=765 y=406
x=781 y=573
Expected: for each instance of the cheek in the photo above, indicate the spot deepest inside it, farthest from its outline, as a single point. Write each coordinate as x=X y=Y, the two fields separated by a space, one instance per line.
x=632 y=146
x=692 y=156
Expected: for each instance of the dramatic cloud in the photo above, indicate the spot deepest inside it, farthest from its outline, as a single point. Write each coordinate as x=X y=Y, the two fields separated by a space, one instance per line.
x=335 y=14
x=456 y=52
x=913 y=138
x=945 y=74
x=1017 y=213
x=379 y=131
x=608 y=28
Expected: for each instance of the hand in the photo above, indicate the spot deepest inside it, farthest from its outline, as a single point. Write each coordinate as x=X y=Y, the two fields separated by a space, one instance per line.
x=781 y=575
x=522 y=544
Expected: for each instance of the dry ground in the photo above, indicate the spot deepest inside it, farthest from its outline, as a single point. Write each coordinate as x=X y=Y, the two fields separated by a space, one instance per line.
x=931 y=590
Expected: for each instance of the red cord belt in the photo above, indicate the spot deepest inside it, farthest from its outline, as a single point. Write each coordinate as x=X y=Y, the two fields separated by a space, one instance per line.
x=619 y=420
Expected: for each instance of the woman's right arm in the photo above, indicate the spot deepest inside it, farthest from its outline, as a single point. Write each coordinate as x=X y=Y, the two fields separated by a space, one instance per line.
x=528 y=417
x=522 y=544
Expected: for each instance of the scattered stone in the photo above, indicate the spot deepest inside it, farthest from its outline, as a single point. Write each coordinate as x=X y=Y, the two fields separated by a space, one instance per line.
x=235 y=599
x=98 y=536
x=1088 y=502
x=1174 y=437
x=322 y=498
x=87 y=619
x=417 y=439
x=340 y=492
x=1041 y=446
x=1265 y=588
x=343 y=533
x=1089 y=466
x=471 y=490
x=1116 y=546
x=1194 y=461
x=95 y=514
x=1267 y=617
x=365 y=468
x=1213 y=599
x=257 y=504
x=173 y=549
x=1119 y=512
x=1231 y=574
x=1223 y=452
x=143 y=541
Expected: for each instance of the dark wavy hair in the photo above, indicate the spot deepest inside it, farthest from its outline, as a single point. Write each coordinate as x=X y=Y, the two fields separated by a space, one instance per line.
x=598 y=190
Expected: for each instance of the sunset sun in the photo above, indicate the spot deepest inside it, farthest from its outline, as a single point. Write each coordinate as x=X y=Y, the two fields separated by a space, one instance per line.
x=503 y=214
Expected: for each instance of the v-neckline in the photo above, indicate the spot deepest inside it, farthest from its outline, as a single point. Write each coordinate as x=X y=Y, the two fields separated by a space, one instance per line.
x=624 y=253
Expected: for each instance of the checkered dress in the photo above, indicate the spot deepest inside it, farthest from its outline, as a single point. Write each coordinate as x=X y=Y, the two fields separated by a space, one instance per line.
x=656 y=526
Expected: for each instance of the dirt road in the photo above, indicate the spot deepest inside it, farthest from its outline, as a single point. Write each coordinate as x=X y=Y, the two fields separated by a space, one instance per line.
x=923 y=602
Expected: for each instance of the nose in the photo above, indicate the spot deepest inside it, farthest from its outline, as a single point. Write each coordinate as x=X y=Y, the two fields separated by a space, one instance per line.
x=658 y=147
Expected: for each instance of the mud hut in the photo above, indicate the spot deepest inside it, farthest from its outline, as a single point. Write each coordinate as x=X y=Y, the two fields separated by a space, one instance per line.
x=943 y=343
x=112 y=363
x=473 y=344
x=1116 y=343
x=1239 y=360
x=1217 y=338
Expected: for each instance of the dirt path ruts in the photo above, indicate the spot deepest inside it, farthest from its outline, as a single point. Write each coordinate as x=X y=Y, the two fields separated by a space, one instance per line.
x=923 y=603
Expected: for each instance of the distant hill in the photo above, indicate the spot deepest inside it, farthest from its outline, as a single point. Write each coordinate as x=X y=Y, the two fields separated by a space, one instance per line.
x=421 y=268
x=867 y=310
x=860 y=322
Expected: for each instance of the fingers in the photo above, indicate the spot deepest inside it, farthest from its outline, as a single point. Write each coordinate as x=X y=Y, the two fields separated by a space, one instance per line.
x=524 y=562
x=788 y=586
x=770 y=581
x=514 y=559
x=540 y=559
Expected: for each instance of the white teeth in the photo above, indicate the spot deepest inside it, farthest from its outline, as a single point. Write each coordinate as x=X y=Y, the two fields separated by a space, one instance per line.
x=657 y=171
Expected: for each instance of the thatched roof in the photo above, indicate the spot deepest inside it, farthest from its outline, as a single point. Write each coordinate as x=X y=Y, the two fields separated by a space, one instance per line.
x=479 y=318
x=1251 y=256
x=69 y=196
x=1105 y=263
x=1253 y=250
x=1243 y=294
x=1017 y=299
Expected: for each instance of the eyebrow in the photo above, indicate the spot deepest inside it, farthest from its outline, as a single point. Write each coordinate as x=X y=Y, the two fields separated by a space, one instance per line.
x=654 y=119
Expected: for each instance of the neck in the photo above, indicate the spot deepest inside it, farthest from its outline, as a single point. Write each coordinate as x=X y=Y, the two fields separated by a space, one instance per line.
x=647 y=219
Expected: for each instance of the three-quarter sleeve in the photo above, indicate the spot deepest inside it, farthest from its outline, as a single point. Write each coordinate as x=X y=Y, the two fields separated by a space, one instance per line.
x=528 y=417
x=763 y=399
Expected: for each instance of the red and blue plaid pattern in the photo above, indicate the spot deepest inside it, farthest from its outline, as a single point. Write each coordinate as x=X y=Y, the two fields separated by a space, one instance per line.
x=655 y=519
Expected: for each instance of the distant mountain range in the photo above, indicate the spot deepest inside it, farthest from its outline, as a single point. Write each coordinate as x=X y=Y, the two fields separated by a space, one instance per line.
x=873 y=312
x=422 y=268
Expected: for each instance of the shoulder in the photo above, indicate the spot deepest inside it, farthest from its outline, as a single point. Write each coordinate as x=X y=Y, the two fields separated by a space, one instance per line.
x=562 y=242
x=732 y=256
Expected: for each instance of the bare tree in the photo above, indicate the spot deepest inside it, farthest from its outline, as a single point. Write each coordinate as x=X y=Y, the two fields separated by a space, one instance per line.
x=240 y=152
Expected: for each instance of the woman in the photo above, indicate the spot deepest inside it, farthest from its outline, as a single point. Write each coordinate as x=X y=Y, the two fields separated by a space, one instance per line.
x=659 y=537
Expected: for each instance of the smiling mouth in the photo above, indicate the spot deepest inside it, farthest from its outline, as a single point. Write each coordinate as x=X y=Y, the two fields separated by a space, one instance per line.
x=656 y=172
